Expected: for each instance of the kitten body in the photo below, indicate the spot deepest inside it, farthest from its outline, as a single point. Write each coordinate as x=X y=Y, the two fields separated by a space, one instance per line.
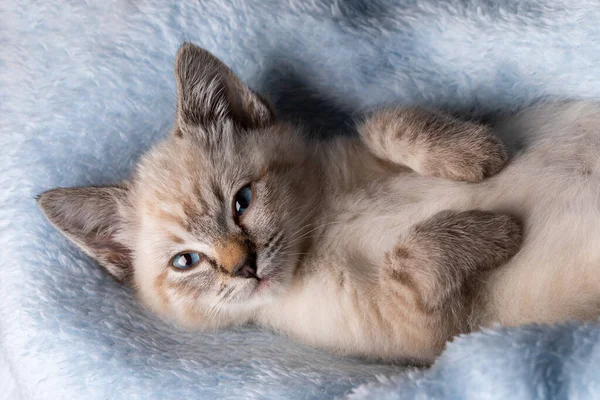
x=337 y=229
x=552 y=185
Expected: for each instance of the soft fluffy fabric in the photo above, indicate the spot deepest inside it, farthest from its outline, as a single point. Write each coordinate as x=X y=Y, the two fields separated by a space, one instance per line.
x=85 y=87
x=534 y=362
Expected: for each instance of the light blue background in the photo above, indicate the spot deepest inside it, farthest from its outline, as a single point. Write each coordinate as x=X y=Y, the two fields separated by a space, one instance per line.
x=86 y=87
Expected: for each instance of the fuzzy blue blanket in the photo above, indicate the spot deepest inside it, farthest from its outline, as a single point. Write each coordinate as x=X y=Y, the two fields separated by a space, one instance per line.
x=85 y=87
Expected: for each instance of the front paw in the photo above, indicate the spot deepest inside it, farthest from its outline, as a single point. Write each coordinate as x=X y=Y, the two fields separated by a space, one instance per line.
x=438 y=255
x=470 y=153
x=474 y=239
x=434 y=144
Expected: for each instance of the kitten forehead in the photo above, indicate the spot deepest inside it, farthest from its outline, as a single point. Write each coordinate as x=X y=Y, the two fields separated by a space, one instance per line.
x=191 y=181
x=187 y=214
x=176 y=186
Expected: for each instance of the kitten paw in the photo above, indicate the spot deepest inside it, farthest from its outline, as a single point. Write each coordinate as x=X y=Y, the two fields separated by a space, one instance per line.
x=438 y=255
x=434 y=144
x=470 y=154
x=476 y=239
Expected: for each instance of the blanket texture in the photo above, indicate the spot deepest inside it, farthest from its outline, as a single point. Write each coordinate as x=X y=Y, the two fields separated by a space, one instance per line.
x=86 y=87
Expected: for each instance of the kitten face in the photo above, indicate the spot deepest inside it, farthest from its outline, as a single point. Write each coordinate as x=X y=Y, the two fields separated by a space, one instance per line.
x=184 y=197
x=213 y=222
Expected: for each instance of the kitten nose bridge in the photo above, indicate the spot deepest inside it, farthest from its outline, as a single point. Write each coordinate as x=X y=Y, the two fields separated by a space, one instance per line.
x=234 y=258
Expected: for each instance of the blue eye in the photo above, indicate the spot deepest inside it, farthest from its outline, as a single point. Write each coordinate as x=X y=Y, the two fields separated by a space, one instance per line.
x=185 y=260
x=242 y=200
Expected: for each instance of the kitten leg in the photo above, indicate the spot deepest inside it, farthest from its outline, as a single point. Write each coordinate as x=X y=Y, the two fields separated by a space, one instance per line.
x=433 y=144
x=425 y=277
x=438 y=255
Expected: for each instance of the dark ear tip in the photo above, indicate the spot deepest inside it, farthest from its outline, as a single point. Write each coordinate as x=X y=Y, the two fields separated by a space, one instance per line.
x=186 y=53
x=43 y=197
x=48 y=195
x=48 y=202
x=185 y=46
x=188 y=49
x=188 y=45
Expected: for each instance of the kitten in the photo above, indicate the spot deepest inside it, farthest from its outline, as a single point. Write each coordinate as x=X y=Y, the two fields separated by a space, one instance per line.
x=374 y=245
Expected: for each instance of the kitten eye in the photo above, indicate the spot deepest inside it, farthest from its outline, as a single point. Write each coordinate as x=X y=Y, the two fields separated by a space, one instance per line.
x=242 y=200
x=185 y=260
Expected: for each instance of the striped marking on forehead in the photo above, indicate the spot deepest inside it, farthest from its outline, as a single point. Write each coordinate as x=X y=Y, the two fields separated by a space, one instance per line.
x=195 y=193
x=186 y=207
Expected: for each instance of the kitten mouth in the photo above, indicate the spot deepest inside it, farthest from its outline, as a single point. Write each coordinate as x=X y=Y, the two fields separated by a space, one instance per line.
x=262 y=285
x=264 y=281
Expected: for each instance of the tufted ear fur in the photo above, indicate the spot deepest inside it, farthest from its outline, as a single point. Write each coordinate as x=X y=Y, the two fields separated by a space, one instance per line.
x=92 y=217
x=209 y=92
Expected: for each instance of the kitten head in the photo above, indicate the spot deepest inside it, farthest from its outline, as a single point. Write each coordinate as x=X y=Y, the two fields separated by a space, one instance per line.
x=213 y=222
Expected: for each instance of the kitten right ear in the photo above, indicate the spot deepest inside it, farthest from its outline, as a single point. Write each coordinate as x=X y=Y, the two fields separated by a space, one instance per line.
x=208 y=92
x=92 y=217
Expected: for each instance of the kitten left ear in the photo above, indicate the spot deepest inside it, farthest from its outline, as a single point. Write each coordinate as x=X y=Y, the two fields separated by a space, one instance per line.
x=93 y=217
x=208 y=91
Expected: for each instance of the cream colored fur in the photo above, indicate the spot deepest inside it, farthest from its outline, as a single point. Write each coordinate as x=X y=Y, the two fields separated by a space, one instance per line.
x=325 y=216
x=553 y=184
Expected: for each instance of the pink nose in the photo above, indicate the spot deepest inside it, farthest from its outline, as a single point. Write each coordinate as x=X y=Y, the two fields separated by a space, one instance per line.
x=247 y=269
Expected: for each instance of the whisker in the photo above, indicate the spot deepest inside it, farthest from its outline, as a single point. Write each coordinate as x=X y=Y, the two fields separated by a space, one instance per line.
x=295 y=238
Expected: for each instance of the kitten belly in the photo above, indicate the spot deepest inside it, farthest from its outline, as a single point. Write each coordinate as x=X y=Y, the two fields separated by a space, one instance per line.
x=555 y=188
x=555 y=276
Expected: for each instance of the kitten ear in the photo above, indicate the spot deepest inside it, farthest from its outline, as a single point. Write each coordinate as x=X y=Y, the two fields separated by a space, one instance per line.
x=92 y=218
x=208 y=91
